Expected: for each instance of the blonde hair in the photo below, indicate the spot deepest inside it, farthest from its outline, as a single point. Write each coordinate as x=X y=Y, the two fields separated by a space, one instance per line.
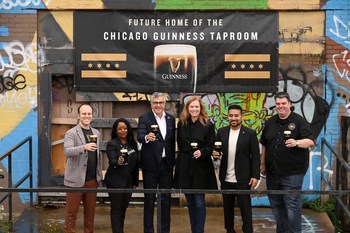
x=185 y=114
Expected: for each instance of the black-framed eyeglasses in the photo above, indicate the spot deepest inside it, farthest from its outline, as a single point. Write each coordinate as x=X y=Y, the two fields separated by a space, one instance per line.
x=158 y=103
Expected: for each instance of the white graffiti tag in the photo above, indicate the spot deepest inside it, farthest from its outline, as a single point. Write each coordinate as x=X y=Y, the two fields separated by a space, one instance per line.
x=15 y=100
x=9 y=4
x=342 y=64
x=19 y=57
x=342 y=30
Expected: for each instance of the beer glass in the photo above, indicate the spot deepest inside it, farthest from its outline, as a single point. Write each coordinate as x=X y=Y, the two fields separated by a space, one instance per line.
x=155 y=130
x=217 y=147
x=124 y=154
x=194 y=146
x=92 y=138
x=175 y=66
x=287 y=135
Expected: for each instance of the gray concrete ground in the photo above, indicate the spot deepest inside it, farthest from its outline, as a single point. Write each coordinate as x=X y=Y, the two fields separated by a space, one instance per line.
x=50 y=219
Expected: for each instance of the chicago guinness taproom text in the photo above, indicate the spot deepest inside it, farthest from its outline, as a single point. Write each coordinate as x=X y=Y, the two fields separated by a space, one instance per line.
x=181 y=36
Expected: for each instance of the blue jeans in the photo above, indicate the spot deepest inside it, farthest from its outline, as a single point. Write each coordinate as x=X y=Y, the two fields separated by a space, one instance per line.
x=286 y=208
x=197 y=211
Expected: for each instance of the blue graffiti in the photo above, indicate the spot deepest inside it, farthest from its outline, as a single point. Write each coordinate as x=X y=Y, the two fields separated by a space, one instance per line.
x=20 y=6
x=28 y=127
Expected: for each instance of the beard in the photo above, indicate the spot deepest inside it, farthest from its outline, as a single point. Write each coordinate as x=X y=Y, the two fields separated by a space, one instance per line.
x=235 y=123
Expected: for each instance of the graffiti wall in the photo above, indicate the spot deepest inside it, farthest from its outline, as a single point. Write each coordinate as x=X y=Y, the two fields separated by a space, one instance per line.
x=314 y=65
x=18 y=87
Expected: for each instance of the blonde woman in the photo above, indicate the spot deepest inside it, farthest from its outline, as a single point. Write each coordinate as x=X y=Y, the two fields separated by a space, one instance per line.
x=194 y=166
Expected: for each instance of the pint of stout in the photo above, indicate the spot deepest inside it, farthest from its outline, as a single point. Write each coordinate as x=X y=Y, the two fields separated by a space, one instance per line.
x=175 y=65
x=194 y=146
x=287 y=135
x=92 y=138
x=155 y=130
x=124 y=153
x=217 y=147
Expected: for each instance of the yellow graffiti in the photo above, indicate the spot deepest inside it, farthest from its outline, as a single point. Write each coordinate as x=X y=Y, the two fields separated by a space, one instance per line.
x=16 y=104
x=135 y=96
x=301 y=32
x=73 y=5
x=299 y=4
x=65 y=20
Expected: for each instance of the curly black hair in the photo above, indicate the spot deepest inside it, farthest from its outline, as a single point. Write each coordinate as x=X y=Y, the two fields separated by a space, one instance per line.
x=130 y=136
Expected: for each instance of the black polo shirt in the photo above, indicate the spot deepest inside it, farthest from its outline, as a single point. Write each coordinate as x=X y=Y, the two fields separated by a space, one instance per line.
x=279 y=159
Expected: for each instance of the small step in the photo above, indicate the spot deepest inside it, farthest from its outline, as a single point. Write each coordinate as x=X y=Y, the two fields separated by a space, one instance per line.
x=60 y=197
x=63 y=194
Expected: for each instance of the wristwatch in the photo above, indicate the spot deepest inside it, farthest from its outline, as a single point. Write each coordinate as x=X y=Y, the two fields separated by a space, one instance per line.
x=297 y=143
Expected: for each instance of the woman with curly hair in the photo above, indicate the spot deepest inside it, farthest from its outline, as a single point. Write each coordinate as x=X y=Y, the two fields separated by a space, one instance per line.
x=123 y=170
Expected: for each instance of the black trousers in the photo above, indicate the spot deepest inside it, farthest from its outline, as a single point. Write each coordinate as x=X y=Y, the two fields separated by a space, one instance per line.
x=244 y=204
x=153 y=180
x=119 y=204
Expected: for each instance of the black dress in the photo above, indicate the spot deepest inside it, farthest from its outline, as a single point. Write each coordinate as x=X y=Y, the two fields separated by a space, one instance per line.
x=193 y=173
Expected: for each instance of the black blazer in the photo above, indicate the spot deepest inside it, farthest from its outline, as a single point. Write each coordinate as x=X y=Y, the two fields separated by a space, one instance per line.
x=247 y=161
x=121 y=176
x=151 y=152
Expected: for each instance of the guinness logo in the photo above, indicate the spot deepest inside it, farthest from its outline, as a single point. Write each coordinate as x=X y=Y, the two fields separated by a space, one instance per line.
x=175 y=63
x=291 y=126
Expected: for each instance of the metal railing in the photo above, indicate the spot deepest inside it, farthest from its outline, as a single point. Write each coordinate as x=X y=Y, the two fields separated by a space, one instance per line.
x=335 y=192
x=158 y=192
x=339 y=166
x=13 y=187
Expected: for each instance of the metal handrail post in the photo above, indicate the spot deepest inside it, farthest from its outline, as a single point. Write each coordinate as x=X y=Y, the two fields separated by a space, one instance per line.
x=10 y=185
x=336 y=206
x=322 y=164
x=31 y=169
x=8 y=154
x=159 y=212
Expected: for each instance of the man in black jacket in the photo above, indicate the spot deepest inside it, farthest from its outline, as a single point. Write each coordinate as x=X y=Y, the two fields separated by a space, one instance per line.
x=239 y=167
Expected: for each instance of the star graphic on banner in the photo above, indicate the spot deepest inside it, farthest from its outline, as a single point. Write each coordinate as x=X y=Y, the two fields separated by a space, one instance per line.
x=251 y=66
x=116 y=65
x=242 y=66
x=99 y=65
x=261 y=66
x=233 y=66
x=90 y=65
x=108 y=65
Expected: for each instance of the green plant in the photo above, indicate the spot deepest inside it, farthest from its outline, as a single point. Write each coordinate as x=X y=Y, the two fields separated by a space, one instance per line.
x=4 y=225
x=328 y=207
x=50 y=227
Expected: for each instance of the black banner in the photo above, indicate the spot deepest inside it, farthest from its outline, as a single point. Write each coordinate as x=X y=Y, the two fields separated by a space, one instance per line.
x=208 y=52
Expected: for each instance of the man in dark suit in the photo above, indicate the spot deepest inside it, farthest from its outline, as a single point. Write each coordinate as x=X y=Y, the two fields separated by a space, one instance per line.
x=239 y=167
x=157 y=159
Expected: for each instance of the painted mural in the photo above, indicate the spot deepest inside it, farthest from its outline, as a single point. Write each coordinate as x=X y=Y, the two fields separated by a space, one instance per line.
x=316 y=78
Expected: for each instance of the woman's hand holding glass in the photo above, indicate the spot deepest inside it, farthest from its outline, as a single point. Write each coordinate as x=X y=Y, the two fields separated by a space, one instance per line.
x=120 y=160
x=197 y=154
